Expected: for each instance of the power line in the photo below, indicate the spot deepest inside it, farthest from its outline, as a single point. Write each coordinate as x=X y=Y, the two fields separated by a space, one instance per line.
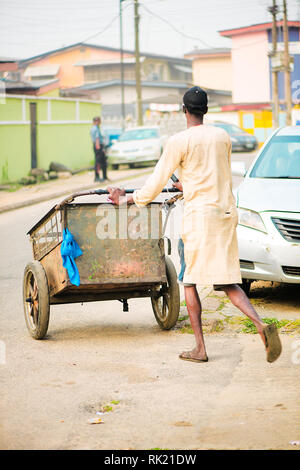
x=50 y=5
x=37 y=20
x=107 y=26
x=98 y=33
x=176 y=29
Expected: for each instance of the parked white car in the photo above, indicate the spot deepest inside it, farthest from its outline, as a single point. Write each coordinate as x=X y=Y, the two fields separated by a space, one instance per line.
x=268 y=201
x=137 y=145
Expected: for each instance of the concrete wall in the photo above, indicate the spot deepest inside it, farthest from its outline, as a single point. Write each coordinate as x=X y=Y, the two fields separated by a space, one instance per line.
x=63 y=127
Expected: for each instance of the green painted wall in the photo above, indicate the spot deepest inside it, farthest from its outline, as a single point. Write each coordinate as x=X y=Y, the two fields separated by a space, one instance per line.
x=86 y=110
x=63 y=110
x=11 y=110
x=14 y=152
x=64 y=142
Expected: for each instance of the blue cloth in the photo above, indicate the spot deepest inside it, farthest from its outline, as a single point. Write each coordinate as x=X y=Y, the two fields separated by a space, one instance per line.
x=69 y=251
x=182 y=261
x=96 y=134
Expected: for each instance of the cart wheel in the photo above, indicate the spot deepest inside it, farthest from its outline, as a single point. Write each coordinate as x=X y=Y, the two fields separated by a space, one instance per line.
x=36 y=299
x=166 y=299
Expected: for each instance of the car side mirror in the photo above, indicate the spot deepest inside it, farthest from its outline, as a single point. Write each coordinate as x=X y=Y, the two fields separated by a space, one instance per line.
x=238 y=168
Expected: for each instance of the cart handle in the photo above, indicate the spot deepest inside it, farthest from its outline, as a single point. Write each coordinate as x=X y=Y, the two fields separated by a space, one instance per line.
x=101 y=192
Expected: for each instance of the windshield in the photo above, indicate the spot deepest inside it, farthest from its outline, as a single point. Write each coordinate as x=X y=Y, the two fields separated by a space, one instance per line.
x=280 y=159
x=139 y=134
x=230 y=128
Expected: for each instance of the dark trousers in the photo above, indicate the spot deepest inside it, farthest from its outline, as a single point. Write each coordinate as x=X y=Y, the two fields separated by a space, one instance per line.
x=100 y=162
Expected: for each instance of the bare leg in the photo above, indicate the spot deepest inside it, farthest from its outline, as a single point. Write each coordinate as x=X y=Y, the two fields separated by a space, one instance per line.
x=240 y=300
x=194 y=308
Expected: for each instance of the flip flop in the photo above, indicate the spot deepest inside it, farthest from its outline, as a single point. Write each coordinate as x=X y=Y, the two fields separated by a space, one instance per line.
x=273 y=343
x=186 y=356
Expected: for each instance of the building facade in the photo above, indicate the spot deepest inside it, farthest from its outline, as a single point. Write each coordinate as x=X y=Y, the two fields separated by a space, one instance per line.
x=95 y=72
x=251 y=62
x=207 y=64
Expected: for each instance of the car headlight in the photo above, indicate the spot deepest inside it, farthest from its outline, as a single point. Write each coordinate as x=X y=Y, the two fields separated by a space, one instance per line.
x=251 y=219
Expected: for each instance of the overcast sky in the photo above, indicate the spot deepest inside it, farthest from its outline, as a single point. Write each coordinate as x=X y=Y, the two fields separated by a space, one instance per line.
x=167 y=27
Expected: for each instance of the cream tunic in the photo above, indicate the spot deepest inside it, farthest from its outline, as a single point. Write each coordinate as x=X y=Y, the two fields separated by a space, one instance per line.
x=202 y=155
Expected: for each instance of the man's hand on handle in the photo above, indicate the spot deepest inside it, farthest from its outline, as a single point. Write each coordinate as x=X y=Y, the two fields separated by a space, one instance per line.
x=178 y=185
x=118 y=196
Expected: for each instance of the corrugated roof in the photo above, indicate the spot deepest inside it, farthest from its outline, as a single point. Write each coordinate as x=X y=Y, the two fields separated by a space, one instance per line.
x=117 y=82
x=255 y=27
x=44 y=70
x=91 y=63
x=22 y=84
x=95 y=46
x=213 y=51
x=183 y=68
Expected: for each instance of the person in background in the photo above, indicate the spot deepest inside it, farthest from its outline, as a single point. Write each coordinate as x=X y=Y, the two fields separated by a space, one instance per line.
x=209 y=252
x=99 y=150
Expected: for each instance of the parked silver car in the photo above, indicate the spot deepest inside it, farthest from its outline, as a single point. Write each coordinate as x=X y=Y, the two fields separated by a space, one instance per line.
x=268 y=201
x=137 y=145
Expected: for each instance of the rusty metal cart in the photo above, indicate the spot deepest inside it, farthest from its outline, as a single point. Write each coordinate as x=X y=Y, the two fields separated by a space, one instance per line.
x=123 y=257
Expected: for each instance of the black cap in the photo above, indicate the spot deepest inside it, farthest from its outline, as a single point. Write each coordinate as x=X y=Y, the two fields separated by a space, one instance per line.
x=195 y=100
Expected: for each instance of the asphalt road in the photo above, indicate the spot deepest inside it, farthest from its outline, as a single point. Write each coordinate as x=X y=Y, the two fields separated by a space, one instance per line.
x=96 y=356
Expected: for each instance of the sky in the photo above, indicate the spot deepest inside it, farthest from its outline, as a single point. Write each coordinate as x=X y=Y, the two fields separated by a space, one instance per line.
x=167 y=27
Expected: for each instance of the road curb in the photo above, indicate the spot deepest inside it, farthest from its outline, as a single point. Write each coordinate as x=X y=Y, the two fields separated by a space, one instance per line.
x=47 y=197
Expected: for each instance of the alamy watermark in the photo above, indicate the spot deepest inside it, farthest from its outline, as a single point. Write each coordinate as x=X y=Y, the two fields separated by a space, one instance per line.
x=132 y=222
x=296 y=91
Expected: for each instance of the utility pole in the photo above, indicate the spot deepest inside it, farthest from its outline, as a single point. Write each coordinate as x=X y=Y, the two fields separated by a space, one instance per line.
x=137 y=65
x=275 y=97
x=287 y=73
x=122 y=67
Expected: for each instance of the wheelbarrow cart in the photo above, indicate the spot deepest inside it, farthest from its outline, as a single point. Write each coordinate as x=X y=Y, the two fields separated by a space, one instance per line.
x=123 y=257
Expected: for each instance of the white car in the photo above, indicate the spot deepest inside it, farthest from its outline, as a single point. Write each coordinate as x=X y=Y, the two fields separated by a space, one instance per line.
x=268 y=201
x=137 y=145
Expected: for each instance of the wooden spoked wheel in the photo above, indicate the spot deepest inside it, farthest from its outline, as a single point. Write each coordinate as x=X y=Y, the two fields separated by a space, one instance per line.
x=36 y=300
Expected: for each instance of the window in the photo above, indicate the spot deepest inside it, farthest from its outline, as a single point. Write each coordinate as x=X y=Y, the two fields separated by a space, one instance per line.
x=280 y=159
x=103 y=73
x=139 y=134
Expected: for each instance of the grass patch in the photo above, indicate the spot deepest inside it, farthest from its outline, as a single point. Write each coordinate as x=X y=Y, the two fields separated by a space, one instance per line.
x=239 y=325
x=250 y=328
x=107 y=408
x=14 y=187
x=182 y=318
x=223 y=302
x=187 y=329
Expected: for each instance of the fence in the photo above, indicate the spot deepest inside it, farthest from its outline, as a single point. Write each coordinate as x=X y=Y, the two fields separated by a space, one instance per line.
x=37 y=131
x=169 y=124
